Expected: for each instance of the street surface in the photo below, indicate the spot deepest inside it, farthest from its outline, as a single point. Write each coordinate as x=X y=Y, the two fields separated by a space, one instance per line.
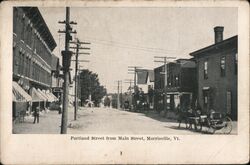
x=105 y=121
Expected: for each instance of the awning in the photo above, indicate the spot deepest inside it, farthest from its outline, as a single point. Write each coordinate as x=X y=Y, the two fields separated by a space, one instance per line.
x=56 y=99
x=48 y=98
x=142 y=76
x=151 y=75
x=18 y=94
x=51 y=97
x=37 y=96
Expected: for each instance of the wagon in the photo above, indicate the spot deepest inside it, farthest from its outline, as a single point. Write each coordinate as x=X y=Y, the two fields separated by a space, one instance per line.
x=214 y=121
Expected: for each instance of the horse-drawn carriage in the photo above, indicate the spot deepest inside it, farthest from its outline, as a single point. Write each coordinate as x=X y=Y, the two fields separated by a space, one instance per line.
x=213 y=121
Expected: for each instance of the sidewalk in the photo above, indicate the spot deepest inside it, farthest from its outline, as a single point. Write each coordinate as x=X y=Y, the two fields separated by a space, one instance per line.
x=49 y=123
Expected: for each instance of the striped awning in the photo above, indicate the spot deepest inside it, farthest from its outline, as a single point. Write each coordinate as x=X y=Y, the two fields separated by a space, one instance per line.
x=37 y=96
x=52 y=96
x=44 y=95
x=18 y=94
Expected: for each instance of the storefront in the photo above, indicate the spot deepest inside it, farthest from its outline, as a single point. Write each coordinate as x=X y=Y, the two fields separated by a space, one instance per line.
x=21 y=101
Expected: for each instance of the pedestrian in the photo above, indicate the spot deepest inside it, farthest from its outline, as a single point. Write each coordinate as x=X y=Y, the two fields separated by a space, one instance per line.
x=36 y=115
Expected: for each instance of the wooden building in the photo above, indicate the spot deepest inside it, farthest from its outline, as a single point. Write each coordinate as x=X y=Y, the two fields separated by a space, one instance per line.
x=180 y=85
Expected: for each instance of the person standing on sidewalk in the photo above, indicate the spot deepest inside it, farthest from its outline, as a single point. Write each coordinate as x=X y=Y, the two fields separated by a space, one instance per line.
x=36 y=115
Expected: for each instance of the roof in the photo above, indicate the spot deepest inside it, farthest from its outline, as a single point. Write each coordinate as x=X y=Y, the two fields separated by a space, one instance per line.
x=188 y=64
x=36 y=18
x=228 y=42
x=185 y=63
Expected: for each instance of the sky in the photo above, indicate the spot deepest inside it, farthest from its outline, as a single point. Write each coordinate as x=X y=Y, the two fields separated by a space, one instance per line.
x=132 y=36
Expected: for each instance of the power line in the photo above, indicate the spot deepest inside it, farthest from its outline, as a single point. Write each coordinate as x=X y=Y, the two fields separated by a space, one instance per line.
x=129 y=46
x=122 y=43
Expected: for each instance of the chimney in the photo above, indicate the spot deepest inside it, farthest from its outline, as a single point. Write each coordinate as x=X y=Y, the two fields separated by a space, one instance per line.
x=218 y=34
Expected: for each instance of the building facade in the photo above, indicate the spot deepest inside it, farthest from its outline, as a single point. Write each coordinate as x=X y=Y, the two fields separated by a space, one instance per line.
x=32 y=54
x=180 y=85
x=217 y=75
x=32 y=47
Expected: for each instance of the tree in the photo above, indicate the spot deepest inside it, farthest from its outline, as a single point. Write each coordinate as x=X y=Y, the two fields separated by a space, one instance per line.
x=89 y=85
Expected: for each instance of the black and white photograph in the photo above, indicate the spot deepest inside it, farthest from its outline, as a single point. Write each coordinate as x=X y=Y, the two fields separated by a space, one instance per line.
x=124 y=82
x=107 y=70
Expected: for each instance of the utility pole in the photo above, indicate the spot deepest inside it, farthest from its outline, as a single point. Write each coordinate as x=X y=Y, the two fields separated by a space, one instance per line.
x=165 y=78
x=79 y=94
x=118 y=94
x=78 y=46
x=66 y=55
x=130 y=81
x=134 y=70
x=121 y=95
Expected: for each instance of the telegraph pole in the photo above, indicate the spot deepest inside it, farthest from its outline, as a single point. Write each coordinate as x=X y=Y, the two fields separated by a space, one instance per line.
x=76 y=67
x=121 y=95
x=66 y=55
x=78 y=44
x=118 y=94
x=165 y=78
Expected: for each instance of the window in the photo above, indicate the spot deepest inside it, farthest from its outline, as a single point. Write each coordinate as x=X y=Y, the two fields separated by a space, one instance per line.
x=177 y=82
x=22 y=28
x=205 y=70
x=22 y=65
x=223 y=66
x=205 y=98
x=29 y=66
x=15 y=19
x=26 y=66
x=15 y=60
x=236 y=63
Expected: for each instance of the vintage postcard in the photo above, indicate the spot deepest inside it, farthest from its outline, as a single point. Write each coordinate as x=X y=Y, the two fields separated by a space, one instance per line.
x=124 y=82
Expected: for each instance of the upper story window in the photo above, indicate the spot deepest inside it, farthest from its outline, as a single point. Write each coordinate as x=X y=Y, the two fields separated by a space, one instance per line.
x=223 y=66
x=236 y=63
x=15 y=19
x=206 y=69
x=177 y=80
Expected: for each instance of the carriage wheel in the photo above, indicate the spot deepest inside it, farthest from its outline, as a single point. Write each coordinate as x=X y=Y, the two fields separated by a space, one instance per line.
x=188 y=125
x=228 y=126
x=198 y=125
x=211 y=130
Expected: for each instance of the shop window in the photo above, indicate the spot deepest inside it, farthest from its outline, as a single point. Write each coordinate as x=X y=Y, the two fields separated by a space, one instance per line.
x=223 y=66
x=206 y=69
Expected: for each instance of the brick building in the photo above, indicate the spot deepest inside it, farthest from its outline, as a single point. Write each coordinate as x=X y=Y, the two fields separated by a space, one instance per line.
x=217 y=75
x=32 y=54
x=180 y=86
